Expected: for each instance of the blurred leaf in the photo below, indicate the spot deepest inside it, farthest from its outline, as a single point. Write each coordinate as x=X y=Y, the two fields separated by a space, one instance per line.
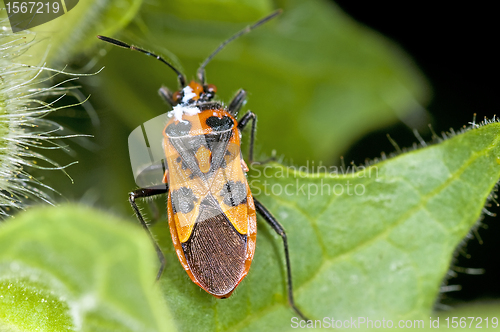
x=211 y=10
x=72 y=268
x=76 y=31
x=380 y=248
x=313 y=75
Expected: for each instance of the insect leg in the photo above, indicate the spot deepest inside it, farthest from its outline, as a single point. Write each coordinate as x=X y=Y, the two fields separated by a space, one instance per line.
x=143 y=193
x=166 y=94
x=241 y=125
x=237 y=102
x=269 y=218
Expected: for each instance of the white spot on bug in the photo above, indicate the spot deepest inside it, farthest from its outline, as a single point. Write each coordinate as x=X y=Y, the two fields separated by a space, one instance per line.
x=178 y=111
x=188 y=94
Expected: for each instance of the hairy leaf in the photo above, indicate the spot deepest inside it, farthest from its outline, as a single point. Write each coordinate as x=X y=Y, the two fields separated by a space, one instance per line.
x=375 y=243
x=76 y=269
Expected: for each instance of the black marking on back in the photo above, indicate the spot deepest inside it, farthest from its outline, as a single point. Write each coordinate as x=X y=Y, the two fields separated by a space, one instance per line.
x=217 y=144
x=215 y=252
x=178 y=129
x=234 y=193
x=188 y=145
x=183 y=200
x=182 y=162
x=222 y=124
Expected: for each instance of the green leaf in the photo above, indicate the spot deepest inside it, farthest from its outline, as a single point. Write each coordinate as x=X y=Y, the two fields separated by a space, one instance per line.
x=72 y=268
x=378 y=249
x=381 y=248
x=315 y=76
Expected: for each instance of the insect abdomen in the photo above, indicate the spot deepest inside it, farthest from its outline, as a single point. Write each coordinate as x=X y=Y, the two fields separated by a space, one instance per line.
x=216 y=252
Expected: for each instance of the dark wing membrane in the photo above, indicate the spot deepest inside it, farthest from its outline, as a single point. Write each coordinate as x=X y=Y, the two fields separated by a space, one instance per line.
x=215 y=252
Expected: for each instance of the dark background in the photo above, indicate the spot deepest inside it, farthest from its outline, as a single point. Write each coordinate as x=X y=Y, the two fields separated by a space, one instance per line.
x=454 y=47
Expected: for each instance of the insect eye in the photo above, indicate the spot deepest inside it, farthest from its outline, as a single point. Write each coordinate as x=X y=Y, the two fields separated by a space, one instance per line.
x=222 y=124
x=177 y=96
x=211 y=89
x=178 y=129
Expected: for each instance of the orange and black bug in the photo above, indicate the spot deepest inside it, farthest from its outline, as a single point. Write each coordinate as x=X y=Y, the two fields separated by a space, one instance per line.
x=211 y=211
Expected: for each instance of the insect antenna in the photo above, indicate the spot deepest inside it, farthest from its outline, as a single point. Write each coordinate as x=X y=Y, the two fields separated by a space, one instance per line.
x=201 y=70
x=180 y=76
